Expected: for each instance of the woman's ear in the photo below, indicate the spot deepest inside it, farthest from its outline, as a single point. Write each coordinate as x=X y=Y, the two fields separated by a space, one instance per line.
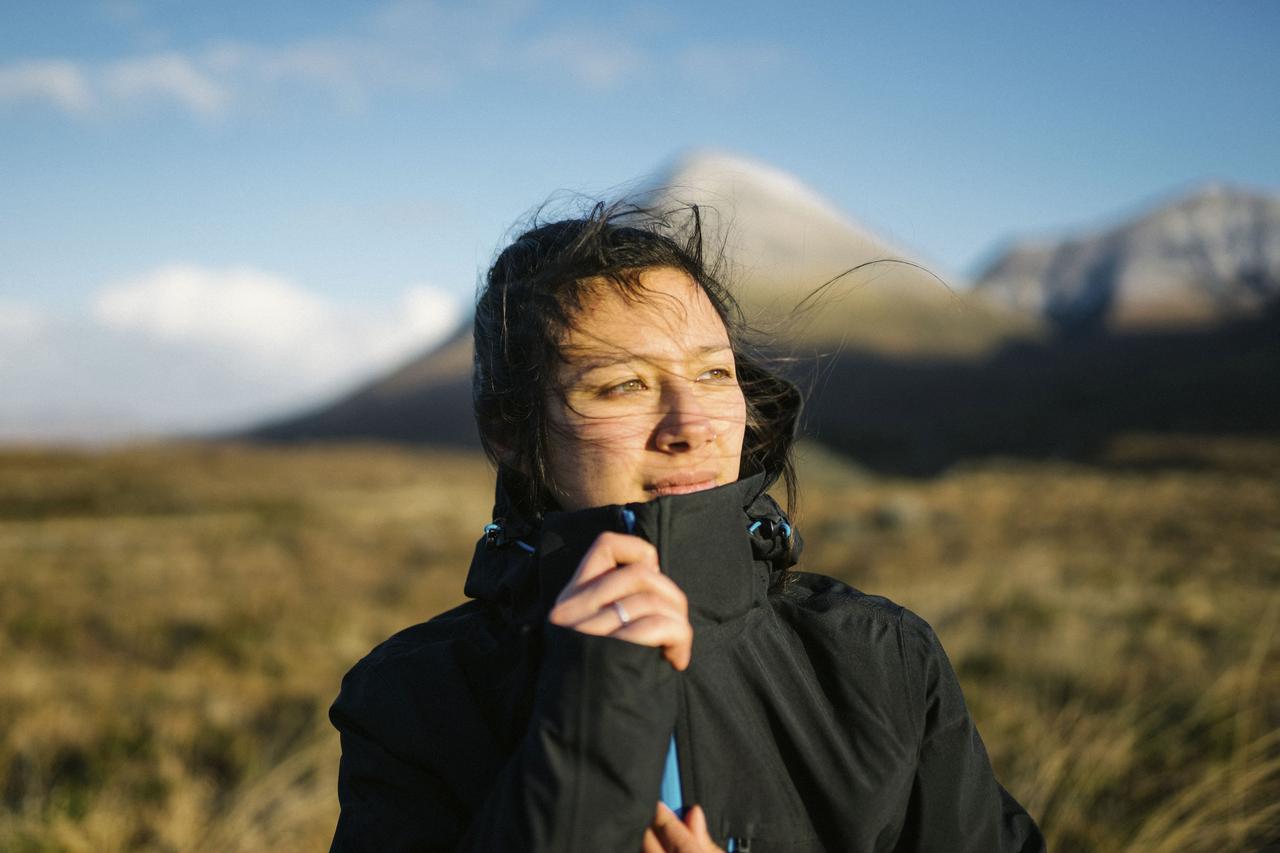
x=507 y=457
x=499 y=449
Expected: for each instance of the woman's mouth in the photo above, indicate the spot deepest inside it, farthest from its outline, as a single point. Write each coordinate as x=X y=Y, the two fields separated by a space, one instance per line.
x=682 y=484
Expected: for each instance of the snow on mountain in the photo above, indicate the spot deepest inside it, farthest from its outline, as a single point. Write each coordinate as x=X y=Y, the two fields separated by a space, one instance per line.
x=787 y=246
x=779 y=234
x=1205 y=257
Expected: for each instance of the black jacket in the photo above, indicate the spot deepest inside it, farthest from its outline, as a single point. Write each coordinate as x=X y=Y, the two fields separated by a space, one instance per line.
x=813 y=717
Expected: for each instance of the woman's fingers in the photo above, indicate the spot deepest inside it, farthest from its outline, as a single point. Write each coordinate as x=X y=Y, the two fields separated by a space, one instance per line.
x=619 y=591
x=673 y=634
x=696 y=820
x=651 y=842
x=609 y=551
x=606 y=619
x=651 y=620
x=580 y=605
x=689 y=836
x=673 y=835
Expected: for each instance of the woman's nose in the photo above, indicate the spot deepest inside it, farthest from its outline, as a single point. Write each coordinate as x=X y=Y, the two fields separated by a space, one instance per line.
x=684 y=426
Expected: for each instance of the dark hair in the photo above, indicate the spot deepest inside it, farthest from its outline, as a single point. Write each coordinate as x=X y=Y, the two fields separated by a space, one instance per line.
x=530 y=298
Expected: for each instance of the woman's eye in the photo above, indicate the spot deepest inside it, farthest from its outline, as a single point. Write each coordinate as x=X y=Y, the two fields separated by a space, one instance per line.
x=716 y=374
x=631 y=386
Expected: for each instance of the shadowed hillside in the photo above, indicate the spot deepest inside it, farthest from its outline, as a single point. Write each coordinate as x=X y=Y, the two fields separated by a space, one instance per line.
x=1062 y=399
x=919 y=415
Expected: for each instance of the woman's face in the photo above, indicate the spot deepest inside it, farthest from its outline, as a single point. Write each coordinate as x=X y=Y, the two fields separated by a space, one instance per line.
x=651 y=403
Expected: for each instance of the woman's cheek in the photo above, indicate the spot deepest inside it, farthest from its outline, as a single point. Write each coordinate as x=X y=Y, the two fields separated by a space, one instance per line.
x=615 y=430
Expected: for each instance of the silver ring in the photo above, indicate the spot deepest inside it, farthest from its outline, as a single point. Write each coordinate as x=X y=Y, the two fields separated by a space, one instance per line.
x=622 y=613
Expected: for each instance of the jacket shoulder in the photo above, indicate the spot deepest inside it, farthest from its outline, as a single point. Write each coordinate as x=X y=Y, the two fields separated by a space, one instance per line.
x=379 y=691
x=435 y=635
x=402 y=718
x=820 y=595
x=824 y=596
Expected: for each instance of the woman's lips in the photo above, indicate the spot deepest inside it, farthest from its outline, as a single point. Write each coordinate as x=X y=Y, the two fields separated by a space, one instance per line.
x=682 y=484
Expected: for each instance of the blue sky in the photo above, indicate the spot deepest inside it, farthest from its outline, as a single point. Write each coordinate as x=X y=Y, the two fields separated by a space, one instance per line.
x=358 y=160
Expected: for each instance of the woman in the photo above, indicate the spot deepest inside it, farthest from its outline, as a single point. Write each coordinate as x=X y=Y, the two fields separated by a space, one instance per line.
x=635 y=631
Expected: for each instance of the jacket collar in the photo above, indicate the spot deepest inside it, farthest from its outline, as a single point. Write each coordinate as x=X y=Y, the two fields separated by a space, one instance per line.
x=708 y=542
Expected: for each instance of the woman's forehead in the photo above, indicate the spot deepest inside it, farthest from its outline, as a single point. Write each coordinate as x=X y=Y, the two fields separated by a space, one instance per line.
x=668 y=316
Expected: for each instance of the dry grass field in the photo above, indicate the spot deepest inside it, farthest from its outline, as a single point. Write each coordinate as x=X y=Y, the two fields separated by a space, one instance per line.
x=175 y=619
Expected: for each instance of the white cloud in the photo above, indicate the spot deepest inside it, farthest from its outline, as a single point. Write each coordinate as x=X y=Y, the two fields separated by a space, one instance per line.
x=243 y=309
x=165 y=75
x=57 y=81
x=185 y=348
x=271 y=325
x=425 y=314
x=79 y=88
x=400 y=47
x=403 y=46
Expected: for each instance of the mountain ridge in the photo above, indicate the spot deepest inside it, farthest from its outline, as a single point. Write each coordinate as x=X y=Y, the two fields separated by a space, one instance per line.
x=1203 y=256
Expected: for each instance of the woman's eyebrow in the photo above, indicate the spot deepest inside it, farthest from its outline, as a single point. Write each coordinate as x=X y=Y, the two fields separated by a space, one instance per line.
x=585 y=358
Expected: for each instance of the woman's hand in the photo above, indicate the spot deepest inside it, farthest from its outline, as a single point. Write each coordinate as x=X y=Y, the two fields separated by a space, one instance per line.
x=668 y=834
x=619 y=591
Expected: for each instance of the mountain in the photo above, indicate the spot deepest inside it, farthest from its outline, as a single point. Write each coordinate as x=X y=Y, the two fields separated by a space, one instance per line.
x=915 y=378
x=780 y=237
x=807 y=273
x=1204 y=258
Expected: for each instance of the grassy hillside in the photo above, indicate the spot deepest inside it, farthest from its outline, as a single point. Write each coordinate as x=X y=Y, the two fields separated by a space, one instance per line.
x=174 y=621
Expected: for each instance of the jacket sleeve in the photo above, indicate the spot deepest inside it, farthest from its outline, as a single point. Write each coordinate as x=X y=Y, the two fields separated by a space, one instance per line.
x=956 y=803
x=585 y=775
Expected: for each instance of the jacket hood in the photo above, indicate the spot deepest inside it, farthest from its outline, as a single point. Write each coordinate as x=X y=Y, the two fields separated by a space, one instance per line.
x=725 y=547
